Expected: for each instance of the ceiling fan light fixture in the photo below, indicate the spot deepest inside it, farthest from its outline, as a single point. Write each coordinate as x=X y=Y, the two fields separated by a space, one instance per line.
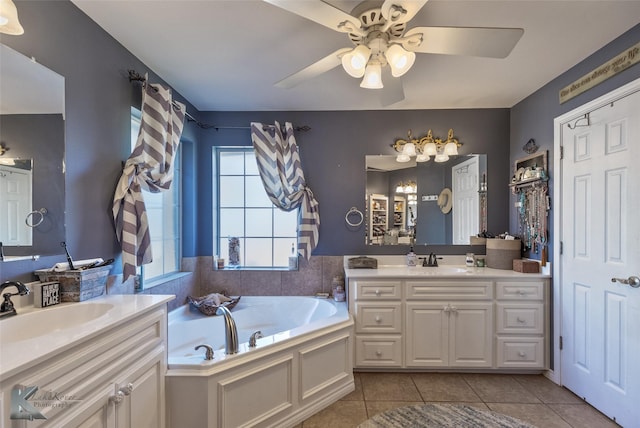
x=372 y=77
x=355 y=62
x=9 y=23
x=400 y=60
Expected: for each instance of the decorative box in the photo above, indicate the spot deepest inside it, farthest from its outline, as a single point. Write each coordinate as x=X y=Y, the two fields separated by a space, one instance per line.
x=362 y=263
x=77 y=285
x=526 y=266
x=502 y=252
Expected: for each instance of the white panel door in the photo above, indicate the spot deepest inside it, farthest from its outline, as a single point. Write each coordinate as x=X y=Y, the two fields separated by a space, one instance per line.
x=601 y=238
x=15 y=206
x=466 y=200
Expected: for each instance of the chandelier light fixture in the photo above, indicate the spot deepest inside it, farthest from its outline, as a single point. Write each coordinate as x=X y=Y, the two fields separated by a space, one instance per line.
x=9 y=23
x=425 y=147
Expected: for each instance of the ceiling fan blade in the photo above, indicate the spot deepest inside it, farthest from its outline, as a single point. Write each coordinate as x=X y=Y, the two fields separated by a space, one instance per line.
x=397 y=11
x=471 y=41
x=320 y=12
x=317 y=68
x=393 y=89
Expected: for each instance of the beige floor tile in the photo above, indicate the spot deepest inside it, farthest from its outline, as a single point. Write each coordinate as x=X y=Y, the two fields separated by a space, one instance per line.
x=582 y=415
x=539 y=415
x=443 y=387
x=546 y=390
x=377 y=407
x=356 y=395
x=341 y=414
x=493 y=388
x=389 y=387
x=479 y=405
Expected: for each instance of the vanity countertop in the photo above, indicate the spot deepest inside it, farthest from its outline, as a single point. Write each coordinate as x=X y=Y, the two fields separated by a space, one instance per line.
x=35 y=334
x=444 y=272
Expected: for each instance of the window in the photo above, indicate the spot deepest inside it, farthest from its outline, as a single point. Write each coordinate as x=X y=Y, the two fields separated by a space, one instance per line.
x=163 y=214
x=266 y=233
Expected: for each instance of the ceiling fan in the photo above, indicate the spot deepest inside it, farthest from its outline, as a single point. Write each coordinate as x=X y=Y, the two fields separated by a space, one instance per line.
x=379 y=32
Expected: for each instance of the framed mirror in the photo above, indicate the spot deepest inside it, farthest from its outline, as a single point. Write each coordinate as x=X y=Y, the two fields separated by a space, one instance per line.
x=425 y=203
x=32 y=193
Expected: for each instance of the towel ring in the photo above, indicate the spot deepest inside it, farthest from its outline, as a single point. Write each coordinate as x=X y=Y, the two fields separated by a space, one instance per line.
x=41 y=212
x=354 y=211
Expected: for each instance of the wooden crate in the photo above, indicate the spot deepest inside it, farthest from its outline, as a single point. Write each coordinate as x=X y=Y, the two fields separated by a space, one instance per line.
x=526 y=266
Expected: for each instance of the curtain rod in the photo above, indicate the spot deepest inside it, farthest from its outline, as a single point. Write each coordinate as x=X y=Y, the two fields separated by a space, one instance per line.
x=135 y=76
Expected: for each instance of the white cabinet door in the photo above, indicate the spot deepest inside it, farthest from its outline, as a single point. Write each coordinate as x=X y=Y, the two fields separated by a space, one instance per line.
x=427 y=333
x=470 y=334
x=449 y=334
x=143 y=386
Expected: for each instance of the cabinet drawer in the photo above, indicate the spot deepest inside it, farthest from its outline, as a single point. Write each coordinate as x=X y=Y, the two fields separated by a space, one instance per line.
x=379 y=351
x=450 y=290
x=514 y=352
x=514 y=290
x=520 y=318
x=378 y=290
x=379 y=318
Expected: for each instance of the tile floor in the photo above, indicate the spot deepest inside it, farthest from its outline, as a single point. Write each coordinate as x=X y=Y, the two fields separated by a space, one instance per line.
x=531 y=398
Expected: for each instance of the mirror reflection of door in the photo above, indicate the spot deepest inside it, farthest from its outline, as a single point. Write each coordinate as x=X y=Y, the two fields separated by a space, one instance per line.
x=465 y=179
x=15 y=205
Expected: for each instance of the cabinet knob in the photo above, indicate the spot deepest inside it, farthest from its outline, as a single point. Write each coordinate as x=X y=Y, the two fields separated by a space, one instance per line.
x=446 y=308
x=378 y=319
x=521 y=293
x=377 y=292
x=520 y=320
x=378 y=353
x=117 y=397
x=454 y=309
x=126 y=390
x=522 y=354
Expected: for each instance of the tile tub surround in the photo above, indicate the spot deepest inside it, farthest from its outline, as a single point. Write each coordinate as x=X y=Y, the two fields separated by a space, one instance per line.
x=313 y=276
x=540 y=402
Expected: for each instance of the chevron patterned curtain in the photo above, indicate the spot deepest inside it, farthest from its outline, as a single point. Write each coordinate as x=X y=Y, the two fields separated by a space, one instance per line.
x=283 y=179
x=148 y=168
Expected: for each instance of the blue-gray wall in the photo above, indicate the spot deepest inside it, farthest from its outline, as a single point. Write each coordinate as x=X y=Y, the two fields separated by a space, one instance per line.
x=98 y=96
x=533 y=116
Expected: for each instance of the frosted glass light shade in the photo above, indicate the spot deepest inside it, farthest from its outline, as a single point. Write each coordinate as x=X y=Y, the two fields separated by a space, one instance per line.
x=372 y=77
x=403 y=158
x=451 y=149
x=409 y=149
x=355 y=62
x=430 y=149
x=422 y=158
x=442 y=157
x=400 y=60
x=9 y=23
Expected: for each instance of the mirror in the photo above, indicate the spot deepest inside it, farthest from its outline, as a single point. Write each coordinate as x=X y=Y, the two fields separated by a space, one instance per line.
x=31 y=157
x=425 y=203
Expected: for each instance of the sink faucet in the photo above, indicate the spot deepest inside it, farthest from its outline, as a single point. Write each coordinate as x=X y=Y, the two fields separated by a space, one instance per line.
x=230 y=331
x=6 y=308
x=431 y=261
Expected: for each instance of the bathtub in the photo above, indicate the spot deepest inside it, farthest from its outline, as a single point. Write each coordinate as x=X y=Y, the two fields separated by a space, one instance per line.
x=303 y=363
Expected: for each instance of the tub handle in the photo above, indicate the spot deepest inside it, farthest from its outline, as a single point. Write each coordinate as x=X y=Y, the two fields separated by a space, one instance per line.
x=208 y=353
x=253 y=339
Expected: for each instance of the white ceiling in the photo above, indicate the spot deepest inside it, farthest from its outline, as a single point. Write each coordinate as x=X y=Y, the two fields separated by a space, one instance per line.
x=226 y=55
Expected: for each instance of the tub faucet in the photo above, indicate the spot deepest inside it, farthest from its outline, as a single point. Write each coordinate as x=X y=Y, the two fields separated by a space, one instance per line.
x=6 y=308
x=230 y=331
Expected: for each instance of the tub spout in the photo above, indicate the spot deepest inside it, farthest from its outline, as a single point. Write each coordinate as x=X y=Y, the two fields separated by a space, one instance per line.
x=230 y=331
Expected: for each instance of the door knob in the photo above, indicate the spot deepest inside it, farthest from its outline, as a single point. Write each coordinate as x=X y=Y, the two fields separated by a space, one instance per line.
x=632 y=281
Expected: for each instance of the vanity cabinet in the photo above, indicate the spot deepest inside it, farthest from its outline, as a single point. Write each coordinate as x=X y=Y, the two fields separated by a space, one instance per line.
x=450 y=323
x=115 y=378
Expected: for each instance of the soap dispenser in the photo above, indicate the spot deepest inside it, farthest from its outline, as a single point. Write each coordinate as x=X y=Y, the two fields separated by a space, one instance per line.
x=412 y=259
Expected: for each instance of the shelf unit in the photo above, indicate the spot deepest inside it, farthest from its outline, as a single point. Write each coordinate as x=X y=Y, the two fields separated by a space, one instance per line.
x=399 y=212
x=378 y=215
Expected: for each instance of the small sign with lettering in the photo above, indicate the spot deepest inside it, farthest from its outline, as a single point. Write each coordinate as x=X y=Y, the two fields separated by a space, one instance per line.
x=612 y=67
x=46 y=294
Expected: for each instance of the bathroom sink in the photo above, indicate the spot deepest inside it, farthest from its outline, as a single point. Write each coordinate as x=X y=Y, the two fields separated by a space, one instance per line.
x=444 y=270
x=41 y=322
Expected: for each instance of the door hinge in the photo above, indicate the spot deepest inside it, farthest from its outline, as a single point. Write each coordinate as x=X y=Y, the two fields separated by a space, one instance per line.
x=561 y=152
x=561 y=343
x=561 y=247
